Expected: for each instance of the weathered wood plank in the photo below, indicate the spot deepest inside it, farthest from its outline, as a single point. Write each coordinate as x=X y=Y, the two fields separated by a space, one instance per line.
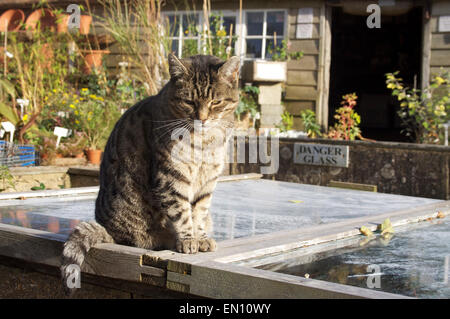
x=296 y=107
x=302 y=77
x=217 y=280
x=440 y=58
x=440 y=41
x=302 y=93
x=308 y=46
x=356 y=186
x=307 y=62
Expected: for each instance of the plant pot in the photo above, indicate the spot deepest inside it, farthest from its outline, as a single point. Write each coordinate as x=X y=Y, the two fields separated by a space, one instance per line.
x=62 y=23
x=94 y=156
x=79 y=155
x=11 y=20
x=44 y=18
x=93 y=59
x=47 y=52
x=85 y=24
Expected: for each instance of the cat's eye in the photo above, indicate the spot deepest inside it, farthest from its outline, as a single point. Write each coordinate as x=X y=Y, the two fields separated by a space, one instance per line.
x=215 y=102
x=188 y=102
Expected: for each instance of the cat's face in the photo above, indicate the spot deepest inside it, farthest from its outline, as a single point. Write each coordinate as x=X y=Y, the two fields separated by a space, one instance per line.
x=205 y=88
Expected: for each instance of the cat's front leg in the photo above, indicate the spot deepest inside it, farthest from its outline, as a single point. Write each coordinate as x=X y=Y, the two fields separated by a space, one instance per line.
x=179 y=214
x=202 y=222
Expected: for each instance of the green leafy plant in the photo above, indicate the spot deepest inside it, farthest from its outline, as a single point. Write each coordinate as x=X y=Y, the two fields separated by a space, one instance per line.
x=248 y=102
x=38 y=188
x=287 y=122
x=348 y=120
x=312 y=128
x=423 y=112
x=6 y=177
x=281 y=53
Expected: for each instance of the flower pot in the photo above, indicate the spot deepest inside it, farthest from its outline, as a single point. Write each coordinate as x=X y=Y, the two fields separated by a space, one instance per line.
x=43 y=18
x=85 y=24
x=93 y=59
x=94 y=156
x=11 y=20
x=79 y=155
x=62 y=23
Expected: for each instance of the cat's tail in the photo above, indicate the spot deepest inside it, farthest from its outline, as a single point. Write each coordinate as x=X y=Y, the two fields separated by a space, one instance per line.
x=83 y=237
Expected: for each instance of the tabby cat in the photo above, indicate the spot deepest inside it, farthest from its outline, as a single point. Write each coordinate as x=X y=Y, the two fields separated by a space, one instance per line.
x=147 y=197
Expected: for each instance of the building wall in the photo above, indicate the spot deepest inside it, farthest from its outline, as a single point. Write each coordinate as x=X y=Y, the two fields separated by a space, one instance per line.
x=440 y=41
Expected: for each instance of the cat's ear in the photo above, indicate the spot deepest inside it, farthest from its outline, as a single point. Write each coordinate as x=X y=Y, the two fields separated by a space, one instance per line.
x=230 y=69
x=176 y=68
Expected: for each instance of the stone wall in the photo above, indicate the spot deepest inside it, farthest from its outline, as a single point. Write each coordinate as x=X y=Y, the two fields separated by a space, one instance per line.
x=396 y=168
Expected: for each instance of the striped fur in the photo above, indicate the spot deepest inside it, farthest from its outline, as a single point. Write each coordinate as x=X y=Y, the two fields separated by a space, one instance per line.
x=147 y=197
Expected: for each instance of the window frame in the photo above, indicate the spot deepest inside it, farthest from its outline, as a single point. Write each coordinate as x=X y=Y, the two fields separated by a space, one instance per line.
x=240 y=46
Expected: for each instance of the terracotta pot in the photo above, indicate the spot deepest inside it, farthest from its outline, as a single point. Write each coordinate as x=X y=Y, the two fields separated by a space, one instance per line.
x=62 y=23
x=94 y=156
x=93 y=59
x=11 y=20
x=85 y=24
x=44 y=17
x=47 y=52
x=79 y=155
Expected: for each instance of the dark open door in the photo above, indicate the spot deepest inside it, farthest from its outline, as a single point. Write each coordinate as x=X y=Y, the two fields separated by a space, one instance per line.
x=360 y=58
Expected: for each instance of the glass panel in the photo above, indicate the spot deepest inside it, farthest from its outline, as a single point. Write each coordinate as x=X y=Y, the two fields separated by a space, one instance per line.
x=275 y=23
x=174 y=25
x=254 y=47
x=255 y=23
x=190 y=22
x=190 y=47
x=175 y=47
x=227 y=22
x=271 y=49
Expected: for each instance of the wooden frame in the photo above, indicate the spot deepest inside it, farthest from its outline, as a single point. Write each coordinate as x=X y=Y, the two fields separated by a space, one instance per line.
x=215 y=274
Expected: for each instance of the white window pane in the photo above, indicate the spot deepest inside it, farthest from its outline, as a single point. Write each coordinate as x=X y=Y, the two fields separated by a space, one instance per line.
x=174 y=24
x=271 y=48
x=254 y=48
x=275 y=22
x=227 y=22
x=255 y=23
x=175 y=47
x=190 y=23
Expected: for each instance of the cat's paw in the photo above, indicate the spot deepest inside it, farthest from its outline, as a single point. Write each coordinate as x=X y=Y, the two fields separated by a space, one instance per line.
x=187 y=245
x=207 y=244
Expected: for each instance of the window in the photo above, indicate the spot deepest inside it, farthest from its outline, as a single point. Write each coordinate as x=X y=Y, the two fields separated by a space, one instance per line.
x=186 y=30
x=262 y=31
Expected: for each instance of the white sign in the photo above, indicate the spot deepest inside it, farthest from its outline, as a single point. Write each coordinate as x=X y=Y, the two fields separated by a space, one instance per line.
x=304 y=31
x=321 y=154
x=10 y=128
x=444 y=24
x=60 y=132
x=305 y=15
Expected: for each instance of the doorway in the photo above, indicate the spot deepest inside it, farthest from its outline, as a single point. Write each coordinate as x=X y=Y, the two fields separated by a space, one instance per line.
x=360 y=58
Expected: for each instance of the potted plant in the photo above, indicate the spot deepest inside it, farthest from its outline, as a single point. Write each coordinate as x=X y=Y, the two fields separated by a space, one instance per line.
x=11 y=20
x=95 y=118
x=247 y=108
x=93 y=59
x=41 y=19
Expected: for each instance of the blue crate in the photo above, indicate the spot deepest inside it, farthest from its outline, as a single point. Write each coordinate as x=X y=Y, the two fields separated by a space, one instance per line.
x=17 y=155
